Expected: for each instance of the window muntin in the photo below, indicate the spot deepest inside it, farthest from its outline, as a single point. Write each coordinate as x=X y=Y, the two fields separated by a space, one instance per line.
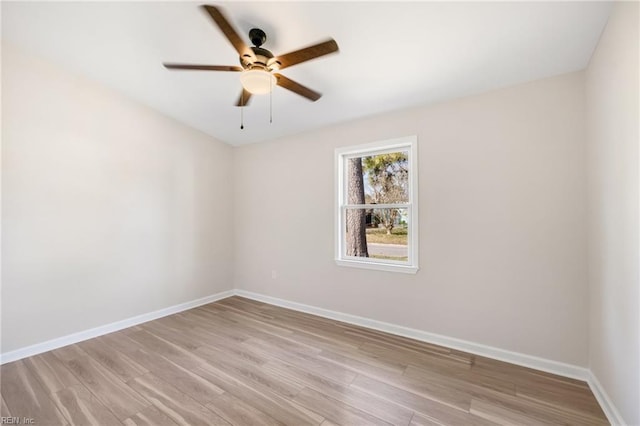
x=376 y=199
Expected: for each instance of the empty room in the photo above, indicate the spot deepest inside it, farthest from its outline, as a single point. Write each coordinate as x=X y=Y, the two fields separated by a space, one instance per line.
x=320 y=213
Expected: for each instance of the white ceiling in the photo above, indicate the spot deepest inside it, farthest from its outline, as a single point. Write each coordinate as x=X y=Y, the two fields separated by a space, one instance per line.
x=392 y=55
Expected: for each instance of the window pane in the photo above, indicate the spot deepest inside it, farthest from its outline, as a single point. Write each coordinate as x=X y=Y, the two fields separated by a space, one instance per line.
x=377 y=233
x=386 y=178
x=378 y=179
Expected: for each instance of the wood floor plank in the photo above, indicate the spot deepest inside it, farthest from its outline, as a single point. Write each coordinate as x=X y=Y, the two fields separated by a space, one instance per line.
x=364 y=365
x=315 y=335
x=465 y=380
x=156 y=344
x=560 y=395
x=217 y=326
x=251 y=374
x=438 y=361
x=181 y=378
x=304 y=377
x=419 y=420
x=334 y=410
x=313 y=363
x=263 y=400
x=25 y=396
x=199 y=326
x=283 y=342
x=431 y=408
x=4 y=408
x=82 y=408
x=542 y=412
x=52 y=373
x=118 y=363
x=362 y=361
x=188 y=335
x=317 y=418
x=132 y=329
x=107 y=387
x=438 y=392
x=521 y=375
x=246 y=308
x=258 y=322
x=309 y=323
x=378 y=407
x=375 y=336
x=503 y=416
x=238 y=412
x=150 y=416
x=174 y=404
x=238 y=361
x=162 y=328
x=69 y=353
x=193 y=318
x=249 y=304
x=121 y=342
x=232 y=349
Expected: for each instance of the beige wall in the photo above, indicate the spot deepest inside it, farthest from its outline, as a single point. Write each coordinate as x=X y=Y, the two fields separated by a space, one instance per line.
x=109 y=209
x=502 y=221
x=612 y=120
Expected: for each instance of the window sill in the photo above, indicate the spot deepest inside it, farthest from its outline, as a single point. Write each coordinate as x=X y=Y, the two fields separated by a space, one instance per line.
x=389 y=267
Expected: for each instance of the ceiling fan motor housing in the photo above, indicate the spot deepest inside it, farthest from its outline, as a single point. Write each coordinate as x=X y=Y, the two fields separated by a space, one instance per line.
x=262 y=58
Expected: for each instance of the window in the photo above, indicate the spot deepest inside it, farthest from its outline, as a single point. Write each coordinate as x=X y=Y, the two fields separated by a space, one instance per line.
x=377 y=206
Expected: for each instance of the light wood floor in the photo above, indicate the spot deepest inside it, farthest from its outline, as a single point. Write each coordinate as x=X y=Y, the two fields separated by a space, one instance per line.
x=242 y=362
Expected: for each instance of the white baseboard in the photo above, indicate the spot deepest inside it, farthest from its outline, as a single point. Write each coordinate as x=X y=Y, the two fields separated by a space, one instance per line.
x=108 y=328
x=550 y=366
x=554 y=367
x=610 y=410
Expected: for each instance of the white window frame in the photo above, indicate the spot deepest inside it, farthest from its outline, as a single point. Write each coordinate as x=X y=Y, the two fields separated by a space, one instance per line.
x=409 y=144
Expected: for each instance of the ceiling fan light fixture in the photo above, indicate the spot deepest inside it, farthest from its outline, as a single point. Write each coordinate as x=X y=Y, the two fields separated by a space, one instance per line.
x=257 y=81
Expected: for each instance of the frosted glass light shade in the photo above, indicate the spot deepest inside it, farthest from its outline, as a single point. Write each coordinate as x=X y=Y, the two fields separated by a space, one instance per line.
x=257 y=81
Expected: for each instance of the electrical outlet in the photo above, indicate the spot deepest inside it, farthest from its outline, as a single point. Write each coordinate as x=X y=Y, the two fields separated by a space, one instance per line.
x=274 y=274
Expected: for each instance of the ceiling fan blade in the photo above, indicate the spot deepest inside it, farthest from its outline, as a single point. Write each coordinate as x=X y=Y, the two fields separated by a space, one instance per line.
x=202 y=67
x=308 y=53
x=228 y=30
x=298 y=88
x=243 y=99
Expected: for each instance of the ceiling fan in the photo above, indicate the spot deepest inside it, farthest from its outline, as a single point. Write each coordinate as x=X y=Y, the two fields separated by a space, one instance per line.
x=258 y=65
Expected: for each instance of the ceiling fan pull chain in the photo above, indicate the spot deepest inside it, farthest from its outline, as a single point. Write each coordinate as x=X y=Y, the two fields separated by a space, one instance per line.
x=242 y=110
